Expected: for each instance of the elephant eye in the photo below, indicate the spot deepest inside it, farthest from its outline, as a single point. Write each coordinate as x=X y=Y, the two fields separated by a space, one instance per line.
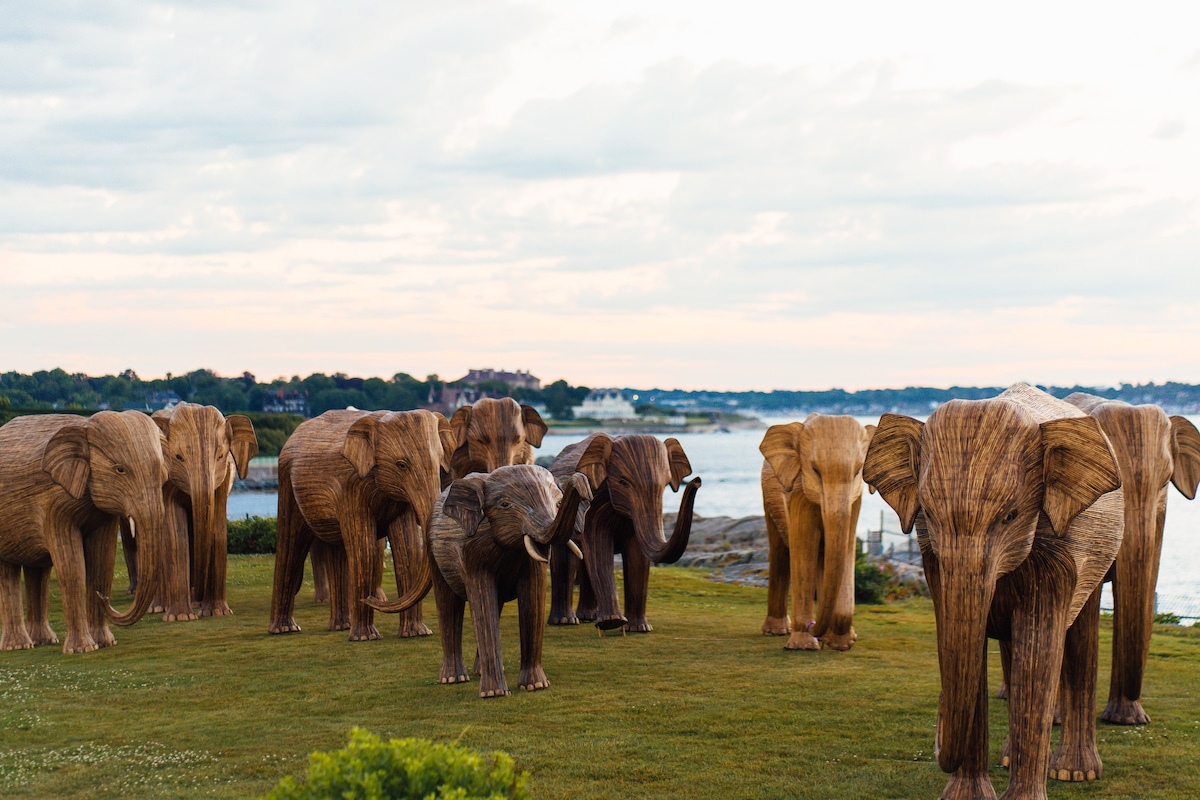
x=504 y=504
x=1010 y=517
x=401 y=464
x=120 y=469
x=179 y=456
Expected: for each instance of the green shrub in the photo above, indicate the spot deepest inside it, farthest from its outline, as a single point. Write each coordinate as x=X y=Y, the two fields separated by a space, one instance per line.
x=371 y=769
x=870 y=580
x=250 y=535
x=1166 y=618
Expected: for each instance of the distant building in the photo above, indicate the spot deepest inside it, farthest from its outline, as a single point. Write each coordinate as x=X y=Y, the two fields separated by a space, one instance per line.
x=449 y=399
x=284 y=401
x=524 y=380
x=605 y=404
x=157 y=401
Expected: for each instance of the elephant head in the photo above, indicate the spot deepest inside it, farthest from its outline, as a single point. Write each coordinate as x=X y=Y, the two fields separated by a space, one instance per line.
x=820 y=460
x=494 y=433
x=204 y=450
x=117 y=459
x=984 y=475
x=403 y=451
x=633 y=470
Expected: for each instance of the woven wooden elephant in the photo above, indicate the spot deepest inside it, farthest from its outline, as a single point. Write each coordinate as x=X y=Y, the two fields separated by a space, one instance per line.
x=489 y=541
x=65 y=482
x=1016 y=505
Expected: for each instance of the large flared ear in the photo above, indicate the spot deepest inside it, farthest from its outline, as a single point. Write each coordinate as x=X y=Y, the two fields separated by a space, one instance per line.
x=464 y=502
x=242 y=442
x=781 y=448
x=1185 y=452
x=67 y=458
x=678 y=462
x=893 y=463
x=448 y=436
x=1077 y=467
x=535 y=427
x=594 y=461
x=459 y=422
x=359 y=447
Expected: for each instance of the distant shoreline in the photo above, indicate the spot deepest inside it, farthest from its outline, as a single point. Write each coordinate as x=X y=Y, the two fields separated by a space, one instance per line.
x=625 y=426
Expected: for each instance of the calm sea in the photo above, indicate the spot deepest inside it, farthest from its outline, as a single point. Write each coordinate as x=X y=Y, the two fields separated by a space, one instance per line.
x=730 y=465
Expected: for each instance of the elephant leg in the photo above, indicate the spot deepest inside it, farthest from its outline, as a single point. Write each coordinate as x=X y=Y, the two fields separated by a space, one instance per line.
x=779 y=575
x=337 y=576
x=1077 y=758
x=598 y=553
x=1005 y=666
x=65 y=543
x=13 y=636
x=563 y=566
x=129 y=549
x=37 y=605
x=970 y=781
x=362 y=554
x=292 y=542
x=408 y=550
x=1038 y=638
x=450 y=609
x=175 y=594
x=636 y=568
x=485 y=614
x=804 y=548
x=211 y=593
x=100 y=555
x=585 y=607
x=320 y=582
x=531 y=615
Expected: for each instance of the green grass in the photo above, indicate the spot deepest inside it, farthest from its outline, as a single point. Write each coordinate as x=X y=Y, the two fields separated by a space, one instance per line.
x=703 y=707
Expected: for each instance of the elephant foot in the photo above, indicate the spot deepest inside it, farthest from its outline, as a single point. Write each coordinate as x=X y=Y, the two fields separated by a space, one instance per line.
x=1120 y=711
x=321 y=596
x=1002 y=692
x=179 y=616
x=452 y=673
x=218 y=609
x=1005 y=751
x=968 y=787
x=608 y=622
x=586 y=614
x=777 y=626
x=839 y=641
x=364 y=633
x=1076 y=764
x=533 y=679
x=562 y=619
x=18 y=641
x=42 y=634
x=157 y=607
x=283 y=626
x=339 y=623
x=637 y=626
x=409 y=630
x=493 y=688
x=80 y=644
x=802 y=640
x=103 y=637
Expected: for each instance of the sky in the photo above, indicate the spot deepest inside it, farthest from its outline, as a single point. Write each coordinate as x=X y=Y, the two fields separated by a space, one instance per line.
x=668 y=194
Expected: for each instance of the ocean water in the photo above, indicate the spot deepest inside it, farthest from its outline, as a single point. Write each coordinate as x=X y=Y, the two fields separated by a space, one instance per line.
x=730 y=464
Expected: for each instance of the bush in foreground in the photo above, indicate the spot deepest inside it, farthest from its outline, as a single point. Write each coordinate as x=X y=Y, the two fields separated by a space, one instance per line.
x=250 y=535
x=371 y=769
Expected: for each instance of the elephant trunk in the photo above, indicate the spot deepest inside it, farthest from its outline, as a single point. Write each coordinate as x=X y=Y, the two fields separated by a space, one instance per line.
x=149 y=530
x=577 y=495
x=205 y=534
x=837 y=584
x=648 y=527
x=961 y=608
x=1133 y=595
x=422 y=583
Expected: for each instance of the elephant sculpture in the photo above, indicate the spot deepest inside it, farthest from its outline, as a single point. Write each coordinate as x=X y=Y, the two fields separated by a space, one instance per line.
x=65 y=482
x=489 y=541
x=204 y=451
x=348 y=479
x=812 y=491
x=1151 y=449
x=493 y=433
x=630 y=473
x=1016 y=504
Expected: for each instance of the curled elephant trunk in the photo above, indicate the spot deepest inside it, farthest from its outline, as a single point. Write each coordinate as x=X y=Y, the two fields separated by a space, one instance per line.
x=149 y=539
x=421 y=585
x=649 y=531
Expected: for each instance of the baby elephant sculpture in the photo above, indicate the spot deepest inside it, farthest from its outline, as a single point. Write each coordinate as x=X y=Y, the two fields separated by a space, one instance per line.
x=1018 y=519
x=812 y=491
x=489 y=542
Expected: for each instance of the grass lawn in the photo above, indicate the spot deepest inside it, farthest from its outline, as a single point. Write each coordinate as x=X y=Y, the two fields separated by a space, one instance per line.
x=703 y=707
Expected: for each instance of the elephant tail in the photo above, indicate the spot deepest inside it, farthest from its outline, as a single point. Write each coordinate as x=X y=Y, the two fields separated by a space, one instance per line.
x=420 y=588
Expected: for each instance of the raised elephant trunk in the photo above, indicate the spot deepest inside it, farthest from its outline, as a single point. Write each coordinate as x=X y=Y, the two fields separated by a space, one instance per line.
x=961 y=607
x=647 y=526
x=577 y=495
x=838 y=576
x=149 y=536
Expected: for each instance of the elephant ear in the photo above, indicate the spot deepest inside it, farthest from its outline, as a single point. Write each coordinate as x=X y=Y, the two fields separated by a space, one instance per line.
x=594 y=461
x=870 y=431
x=1077 y=467
x=163 y=421
x=359 y=447
x=1185 y=452
x=781 y=448
x=459 y=422
x=678 y=462
x=67 y=459
x=464 y=502
x=242 y=442
x=892 y=464
x=535 y=427
x=448 y=435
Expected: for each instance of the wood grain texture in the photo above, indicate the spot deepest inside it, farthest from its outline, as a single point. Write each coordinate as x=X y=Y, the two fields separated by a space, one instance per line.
x=1146 y=443
x=493 y=433
x=65 y=482
x=625 y=516
x=347 y=480
x=1019 y=516
x=812 y=491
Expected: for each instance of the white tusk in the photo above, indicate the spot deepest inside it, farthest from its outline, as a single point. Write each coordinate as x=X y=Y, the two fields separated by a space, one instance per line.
x=132 y=529
x=575 y=549
x=533 y=553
